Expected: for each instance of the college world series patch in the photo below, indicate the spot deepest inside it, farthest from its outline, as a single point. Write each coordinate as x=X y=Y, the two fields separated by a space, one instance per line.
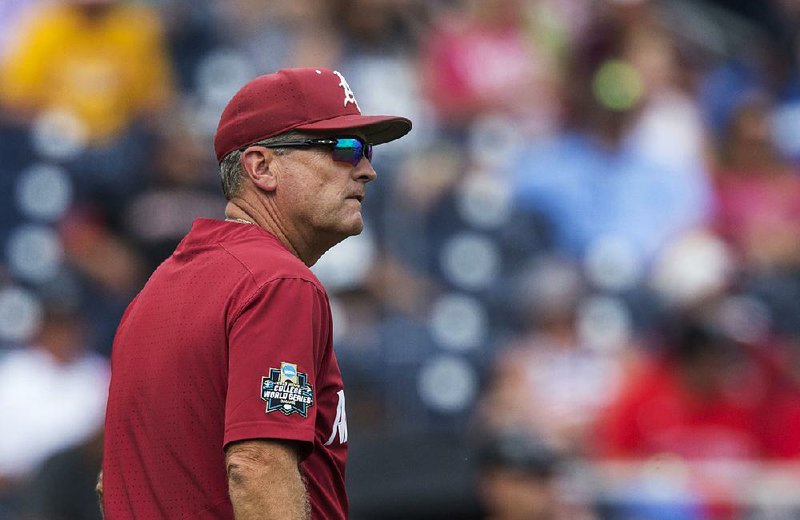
x=287 y=390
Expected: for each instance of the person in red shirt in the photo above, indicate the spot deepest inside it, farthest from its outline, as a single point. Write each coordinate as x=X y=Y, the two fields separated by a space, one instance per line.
x=226 y=399
x=695 y=406
x=697 y=400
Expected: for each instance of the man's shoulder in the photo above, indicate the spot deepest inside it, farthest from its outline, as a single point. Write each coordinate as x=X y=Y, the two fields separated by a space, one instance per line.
x=266 y=259
x=234 y=251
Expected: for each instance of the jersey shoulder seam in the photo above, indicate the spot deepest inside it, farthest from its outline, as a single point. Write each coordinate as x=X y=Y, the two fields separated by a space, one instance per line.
x=303 y=277
x=266 y=282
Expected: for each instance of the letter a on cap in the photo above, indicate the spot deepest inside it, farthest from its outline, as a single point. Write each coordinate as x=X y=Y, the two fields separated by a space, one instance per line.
x=349 y=97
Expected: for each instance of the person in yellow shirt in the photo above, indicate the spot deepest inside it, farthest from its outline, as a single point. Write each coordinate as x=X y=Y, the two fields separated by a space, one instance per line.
x=104 y=61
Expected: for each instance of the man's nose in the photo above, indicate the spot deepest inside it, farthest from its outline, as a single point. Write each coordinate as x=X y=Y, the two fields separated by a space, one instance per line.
x=365 y=172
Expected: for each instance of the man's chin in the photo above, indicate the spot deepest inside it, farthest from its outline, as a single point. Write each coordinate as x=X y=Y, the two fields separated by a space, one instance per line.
x=356 y=229
x=344 y=231
x=356 y=226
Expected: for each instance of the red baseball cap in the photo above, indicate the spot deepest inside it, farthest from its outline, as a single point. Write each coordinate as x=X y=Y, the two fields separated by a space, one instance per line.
x=317 y=100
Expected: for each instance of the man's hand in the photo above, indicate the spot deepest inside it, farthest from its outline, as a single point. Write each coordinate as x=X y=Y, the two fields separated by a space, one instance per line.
x=99 y=489
x=264 y=480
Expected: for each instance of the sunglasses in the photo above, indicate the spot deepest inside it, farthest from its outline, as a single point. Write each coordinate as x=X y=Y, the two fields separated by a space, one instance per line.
x=344 y=149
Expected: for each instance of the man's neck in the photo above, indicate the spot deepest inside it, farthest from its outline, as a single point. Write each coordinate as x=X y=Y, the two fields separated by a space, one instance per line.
x=241 y=210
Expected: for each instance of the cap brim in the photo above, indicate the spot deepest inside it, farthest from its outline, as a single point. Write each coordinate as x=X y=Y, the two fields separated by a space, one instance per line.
x=376 y=129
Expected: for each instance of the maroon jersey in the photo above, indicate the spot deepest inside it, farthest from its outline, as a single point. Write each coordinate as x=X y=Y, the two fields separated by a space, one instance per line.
x=230 y=339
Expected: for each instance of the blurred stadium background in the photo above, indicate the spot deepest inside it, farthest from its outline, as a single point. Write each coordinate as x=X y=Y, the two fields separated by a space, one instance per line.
x=577 y=295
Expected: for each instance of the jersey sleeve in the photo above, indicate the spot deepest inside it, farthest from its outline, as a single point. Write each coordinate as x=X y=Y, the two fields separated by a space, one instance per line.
x=274 y=345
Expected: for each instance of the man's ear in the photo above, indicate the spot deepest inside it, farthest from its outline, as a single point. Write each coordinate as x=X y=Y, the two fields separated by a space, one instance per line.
x=258 y=163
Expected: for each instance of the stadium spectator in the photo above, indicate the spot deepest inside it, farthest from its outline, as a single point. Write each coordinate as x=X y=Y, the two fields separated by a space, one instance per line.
x=757 y=191
x=103 y=61
x=52 y=394
x=180 y=188
x=63 y=487
x=605 y=178
x=555 y=380
x=272 y=35
x=757 y=208
x=486 y=57
x=108 y=268
x=521 y=478
x=696 y=401
x=672 y=403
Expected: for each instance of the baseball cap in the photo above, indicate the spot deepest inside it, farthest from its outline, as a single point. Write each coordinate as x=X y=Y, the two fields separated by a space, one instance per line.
x=311 y=99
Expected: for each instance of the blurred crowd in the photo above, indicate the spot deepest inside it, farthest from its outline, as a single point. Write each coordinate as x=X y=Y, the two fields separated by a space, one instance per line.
x=582 y=267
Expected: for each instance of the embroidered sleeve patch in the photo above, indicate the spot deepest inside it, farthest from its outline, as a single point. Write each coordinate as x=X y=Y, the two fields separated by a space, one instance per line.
x=287 y=390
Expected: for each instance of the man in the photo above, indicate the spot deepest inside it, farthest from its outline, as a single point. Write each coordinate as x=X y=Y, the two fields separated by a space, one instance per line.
x=226 y=399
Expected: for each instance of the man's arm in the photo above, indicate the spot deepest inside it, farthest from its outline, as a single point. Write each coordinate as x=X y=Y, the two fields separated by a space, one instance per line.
x=264 y=480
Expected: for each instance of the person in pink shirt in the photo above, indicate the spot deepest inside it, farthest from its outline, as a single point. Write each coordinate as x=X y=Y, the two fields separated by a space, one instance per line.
x=757 y=192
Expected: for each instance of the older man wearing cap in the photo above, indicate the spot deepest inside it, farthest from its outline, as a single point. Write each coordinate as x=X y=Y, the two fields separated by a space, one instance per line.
x=226 y=399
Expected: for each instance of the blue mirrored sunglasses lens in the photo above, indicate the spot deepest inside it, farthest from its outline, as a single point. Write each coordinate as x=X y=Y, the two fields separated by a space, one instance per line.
x=351 y=150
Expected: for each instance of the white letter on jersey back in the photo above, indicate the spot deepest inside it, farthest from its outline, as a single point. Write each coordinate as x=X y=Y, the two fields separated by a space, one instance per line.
x=340 y=424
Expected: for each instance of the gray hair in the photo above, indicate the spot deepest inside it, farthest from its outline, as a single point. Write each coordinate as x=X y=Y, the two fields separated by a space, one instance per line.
x=231 y=171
